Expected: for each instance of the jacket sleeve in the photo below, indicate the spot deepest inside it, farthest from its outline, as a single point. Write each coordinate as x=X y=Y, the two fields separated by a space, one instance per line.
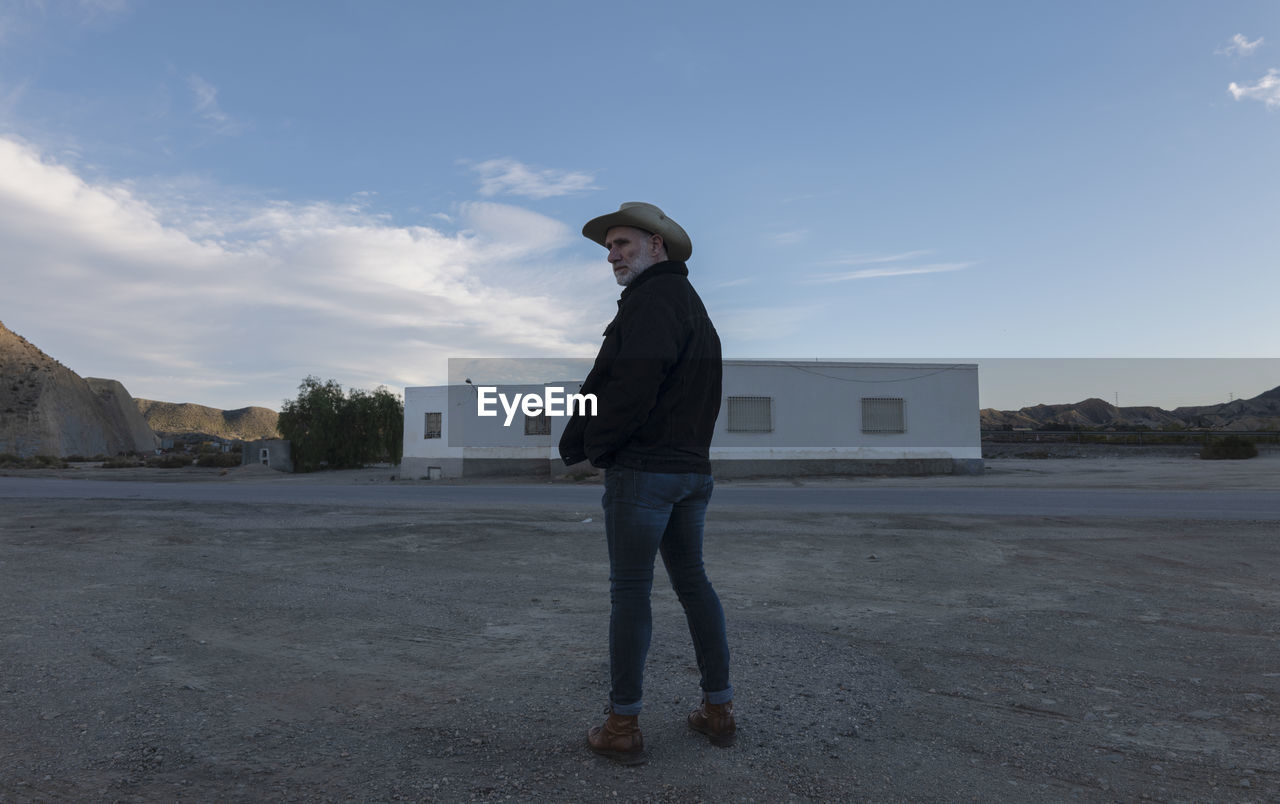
x=650 y=337
x=572 y=447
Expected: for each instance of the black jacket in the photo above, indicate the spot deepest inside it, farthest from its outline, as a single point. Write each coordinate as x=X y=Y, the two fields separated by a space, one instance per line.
x=656 y=381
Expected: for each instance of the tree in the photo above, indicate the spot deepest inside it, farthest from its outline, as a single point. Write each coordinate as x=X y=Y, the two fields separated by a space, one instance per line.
x=329 y=429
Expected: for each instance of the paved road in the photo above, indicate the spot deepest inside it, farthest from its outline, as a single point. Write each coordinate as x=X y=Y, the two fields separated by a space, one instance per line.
x=1211 y=505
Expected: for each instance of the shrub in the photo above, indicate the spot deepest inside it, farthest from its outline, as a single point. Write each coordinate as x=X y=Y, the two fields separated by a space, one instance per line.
x=169 y=461
x=219 y=459
x=121 y=462
x=1229 y=448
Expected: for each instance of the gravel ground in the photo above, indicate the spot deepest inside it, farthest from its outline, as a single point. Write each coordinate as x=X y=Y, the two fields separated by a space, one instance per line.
x=157 y=651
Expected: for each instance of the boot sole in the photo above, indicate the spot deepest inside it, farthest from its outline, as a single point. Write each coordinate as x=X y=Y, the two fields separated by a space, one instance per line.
x=718 y=740
x=628 y=758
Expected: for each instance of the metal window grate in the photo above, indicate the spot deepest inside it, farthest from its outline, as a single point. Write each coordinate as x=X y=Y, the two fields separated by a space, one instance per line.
x=884 y=414
x=431 y=427
x=537 y=425
x=750 y=414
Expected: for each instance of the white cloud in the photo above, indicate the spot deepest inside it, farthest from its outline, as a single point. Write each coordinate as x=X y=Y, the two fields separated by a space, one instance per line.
x=790 y=237
x=889 y=265
x=510 y=177
x=206 y=105
x=1241 y=46
x=234 y=305
x=1266 y=90
x=868 y=259
x=875 y=273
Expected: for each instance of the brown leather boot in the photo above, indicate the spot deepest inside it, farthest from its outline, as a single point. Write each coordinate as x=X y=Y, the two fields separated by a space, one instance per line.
x=618 y=738
x=715 y=721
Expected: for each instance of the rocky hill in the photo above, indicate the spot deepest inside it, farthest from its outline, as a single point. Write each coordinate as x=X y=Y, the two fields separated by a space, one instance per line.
x=174 y=420
x=48 y=409
x=1260 y=413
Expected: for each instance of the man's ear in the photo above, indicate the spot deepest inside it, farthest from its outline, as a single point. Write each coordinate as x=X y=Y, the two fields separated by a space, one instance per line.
x=656 y=244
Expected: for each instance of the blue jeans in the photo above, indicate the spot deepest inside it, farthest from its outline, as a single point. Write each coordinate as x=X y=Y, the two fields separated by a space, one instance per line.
x=646 y=513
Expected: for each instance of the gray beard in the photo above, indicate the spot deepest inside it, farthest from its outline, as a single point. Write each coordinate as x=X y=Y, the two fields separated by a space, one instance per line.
x=629 y=275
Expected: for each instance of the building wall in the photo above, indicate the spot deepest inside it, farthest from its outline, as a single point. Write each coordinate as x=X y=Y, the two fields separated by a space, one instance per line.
x=816 y=417
x=279 y=454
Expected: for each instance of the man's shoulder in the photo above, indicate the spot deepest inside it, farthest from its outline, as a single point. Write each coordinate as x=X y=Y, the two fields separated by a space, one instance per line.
x=668 y=286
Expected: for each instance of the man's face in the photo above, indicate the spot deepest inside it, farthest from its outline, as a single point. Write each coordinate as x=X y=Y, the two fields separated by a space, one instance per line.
x=631 y=251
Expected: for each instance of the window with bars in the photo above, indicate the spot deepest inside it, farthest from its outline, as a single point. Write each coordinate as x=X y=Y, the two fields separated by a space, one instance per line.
x=884 y=414
x=431 y=427
x=750 y=414
x=537 y=425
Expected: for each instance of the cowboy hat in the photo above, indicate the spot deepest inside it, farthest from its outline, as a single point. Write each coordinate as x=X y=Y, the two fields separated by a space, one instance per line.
x=642 y=216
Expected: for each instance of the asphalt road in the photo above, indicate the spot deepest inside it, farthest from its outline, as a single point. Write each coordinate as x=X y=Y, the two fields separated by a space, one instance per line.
x=1225 y=505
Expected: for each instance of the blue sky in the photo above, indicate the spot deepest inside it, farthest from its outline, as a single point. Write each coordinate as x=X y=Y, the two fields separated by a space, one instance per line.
x=210 y=201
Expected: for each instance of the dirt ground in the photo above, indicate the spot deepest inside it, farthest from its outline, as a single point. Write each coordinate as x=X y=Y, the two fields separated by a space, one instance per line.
x=160 y=651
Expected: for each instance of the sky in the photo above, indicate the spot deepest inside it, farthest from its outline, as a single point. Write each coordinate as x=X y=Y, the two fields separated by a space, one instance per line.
x=211 y=201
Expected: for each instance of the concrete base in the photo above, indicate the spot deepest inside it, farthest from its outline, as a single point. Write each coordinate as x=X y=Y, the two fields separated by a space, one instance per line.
x=430 y=468
x=437 y=468
x=582 y=470
x=802 y=468
x=507 y=467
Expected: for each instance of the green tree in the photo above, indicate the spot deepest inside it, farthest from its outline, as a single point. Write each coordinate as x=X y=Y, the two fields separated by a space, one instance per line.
x=330 y=429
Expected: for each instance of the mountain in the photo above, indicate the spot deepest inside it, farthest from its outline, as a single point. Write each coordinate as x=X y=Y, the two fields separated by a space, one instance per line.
x=48 y=409
x=1260 y=413
x=176 y=419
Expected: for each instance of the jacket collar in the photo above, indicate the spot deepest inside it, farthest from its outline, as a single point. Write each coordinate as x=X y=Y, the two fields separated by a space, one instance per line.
x=665 y=267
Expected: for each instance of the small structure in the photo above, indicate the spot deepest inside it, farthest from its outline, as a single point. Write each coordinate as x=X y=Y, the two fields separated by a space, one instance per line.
x=777 y=418
x=272 y=452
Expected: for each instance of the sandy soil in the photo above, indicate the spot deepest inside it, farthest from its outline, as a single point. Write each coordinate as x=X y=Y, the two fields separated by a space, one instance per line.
x=158 y=651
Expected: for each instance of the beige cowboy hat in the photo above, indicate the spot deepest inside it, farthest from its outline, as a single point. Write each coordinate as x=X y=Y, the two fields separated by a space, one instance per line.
x=642 y=216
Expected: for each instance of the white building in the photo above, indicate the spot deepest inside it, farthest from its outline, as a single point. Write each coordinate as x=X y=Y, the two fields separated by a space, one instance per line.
x=777 y=417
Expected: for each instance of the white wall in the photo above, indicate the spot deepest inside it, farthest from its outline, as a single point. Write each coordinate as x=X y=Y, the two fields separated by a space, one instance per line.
x=816 y=416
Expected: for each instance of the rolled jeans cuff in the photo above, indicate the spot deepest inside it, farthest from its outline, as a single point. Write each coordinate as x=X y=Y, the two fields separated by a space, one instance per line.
x=721 y=697
x=626 y=709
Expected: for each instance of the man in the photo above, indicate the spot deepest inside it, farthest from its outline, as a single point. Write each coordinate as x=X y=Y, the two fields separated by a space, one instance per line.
x=657 y=385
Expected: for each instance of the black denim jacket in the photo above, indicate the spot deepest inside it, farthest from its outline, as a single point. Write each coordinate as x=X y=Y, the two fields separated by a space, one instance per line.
x=657 y=381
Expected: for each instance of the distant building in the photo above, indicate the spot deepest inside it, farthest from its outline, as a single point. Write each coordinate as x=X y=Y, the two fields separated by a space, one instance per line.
x=777 y=418
x=272 y=452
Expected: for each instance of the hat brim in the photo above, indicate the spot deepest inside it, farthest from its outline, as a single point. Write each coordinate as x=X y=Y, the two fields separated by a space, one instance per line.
x=679 y=246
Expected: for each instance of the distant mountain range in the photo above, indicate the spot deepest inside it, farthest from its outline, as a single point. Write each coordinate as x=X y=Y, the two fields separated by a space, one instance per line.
x=48 y=409
x=176 y=420
x=1260 y=413
x=45 y=408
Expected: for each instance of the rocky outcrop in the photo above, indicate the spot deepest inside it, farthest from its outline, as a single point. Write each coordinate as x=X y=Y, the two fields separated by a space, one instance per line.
x=122 y=410
x=48 y=409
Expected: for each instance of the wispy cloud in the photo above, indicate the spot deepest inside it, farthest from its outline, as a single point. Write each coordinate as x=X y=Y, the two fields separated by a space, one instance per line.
x=875 y=273
x=1266 y=89
x=1240 y=46
x=789 y=238
x=872 y=259
x=511 y=177
x=206 y=105
x=213 y=305
x=10 y=96
x=901 y=264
